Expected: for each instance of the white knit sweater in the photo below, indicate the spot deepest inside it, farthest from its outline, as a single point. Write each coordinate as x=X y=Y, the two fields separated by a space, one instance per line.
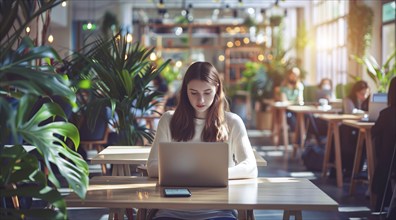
x=242 y=163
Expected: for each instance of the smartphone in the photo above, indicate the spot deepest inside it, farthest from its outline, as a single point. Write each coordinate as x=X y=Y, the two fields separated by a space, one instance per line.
x=177 y=192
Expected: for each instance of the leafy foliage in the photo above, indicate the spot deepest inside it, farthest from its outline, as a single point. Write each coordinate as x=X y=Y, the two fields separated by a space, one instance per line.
x=360 y=26
x=381 y=75
x=120 y=73
x=26 y=75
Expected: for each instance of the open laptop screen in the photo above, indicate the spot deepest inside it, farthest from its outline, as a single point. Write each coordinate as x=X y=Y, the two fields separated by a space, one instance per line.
x=193 y=164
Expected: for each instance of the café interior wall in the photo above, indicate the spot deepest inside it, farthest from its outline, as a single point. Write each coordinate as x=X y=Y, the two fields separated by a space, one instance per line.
x=374 y=48
x=61 y=28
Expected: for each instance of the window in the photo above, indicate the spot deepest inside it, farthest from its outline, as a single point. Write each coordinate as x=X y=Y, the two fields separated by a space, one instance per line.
x=330 y=34
x=388 y=29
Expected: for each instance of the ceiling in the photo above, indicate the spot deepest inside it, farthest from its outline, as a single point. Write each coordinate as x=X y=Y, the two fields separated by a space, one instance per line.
x=169 y=4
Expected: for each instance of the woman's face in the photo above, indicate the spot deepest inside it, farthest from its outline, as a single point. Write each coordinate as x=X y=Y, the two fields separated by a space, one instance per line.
x=200 y=95
x=362 y=94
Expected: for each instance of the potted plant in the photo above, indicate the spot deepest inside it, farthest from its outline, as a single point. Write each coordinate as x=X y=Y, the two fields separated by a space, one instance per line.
x=381 y=75
x=360 y=25
x=24 y=78
x=120 y=73
x=275 y=20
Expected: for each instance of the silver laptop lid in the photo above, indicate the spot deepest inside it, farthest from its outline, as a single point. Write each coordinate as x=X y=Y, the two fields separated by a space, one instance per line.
x=193 y=164
x=377 y=103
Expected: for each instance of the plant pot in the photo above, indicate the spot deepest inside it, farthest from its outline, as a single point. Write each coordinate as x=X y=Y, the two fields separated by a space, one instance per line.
x=263 y=120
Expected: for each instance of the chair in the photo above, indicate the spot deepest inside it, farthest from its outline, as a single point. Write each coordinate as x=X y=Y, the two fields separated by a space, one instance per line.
x=96 y=138
x=310 y=94
x=342 y=90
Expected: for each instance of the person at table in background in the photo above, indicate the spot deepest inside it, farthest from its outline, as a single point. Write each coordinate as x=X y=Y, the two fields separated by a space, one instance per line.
x=201 y=116
x=357 y=99
x=325 y=90
x=291 y=91
x=356 y=102
x=383 y=133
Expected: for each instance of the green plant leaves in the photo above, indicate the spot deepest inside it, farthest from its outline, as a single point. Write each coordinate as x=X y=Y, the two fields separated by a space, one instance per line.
x=50 y=140
x=21 y=176
x=381 y=75
x=120 y=74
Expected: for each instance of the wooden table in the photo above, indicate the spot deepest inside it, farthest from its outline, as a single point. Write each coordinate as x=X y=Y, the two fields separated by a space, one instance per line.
x=300 y=132
x=333 y=131
x=121 y=157
x=289 y=194
x=364 y=136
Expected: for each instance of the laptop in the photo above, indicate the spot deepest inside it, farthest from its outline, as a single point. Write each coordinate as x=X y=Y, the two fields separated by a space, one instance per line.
x=188 y=164
x=377 y=103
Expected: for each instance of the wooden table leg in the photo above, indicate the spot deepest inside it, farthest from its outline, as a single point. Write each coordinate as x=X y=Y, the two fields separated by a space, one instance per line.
x=127 y=170
x=250 y=214
x=338 y=161
x=327 y=149
x=296 y=213
x=275 y=127
x=370 y=163
x=114 y=171
x=356 y=164
x=299 y=134
x=284 y=131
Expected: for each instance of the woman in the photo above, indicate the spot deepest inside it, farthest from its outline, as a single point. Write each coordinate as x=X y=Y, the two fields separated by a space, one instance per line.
x=357 y=99
x=356 y=102
x=291 y=89
x=383 y=133
x=200 y=117
x=325 y=90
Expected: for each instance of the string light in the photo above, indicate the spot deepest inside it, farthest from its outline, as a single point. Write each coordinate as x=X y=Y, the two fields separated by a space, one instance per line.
x=230 y=44
x=129 y=38
x=27 y=29
x=178 y=64
x=89 y=26
x=221 y=58
x=50 y=38
x=153 y=56
x=64 y=4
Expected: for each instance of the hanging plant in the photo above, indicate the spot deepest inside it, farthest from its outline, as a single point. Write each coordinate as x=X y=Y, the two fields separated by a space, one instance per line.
x=275 y=20
x=360 y=26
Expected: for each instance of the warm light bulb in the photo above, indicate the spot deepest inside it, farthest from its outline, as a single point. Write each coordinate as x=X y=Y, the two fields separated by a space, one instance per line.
x=221 y=58
x=237 y=43
x=260 y=57
x=230 y=44
x=27 y=29
x=178 y=64
x=50 y=38
x=129 y=38
x=89 y=25
x=153 y=56
x=64 y=4
x=246 y=40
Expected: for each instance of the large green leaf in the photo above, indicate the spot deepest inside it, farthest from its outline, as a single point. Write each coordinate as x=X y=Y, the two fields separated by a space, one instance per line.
x=381 y=75
x=50 y=140
x=21 y=176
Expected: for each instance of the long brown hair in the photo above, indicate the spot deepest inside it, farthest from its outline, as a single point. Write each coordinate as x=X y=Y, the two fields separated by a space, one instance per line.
x=358 y=86
x=182 y=123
